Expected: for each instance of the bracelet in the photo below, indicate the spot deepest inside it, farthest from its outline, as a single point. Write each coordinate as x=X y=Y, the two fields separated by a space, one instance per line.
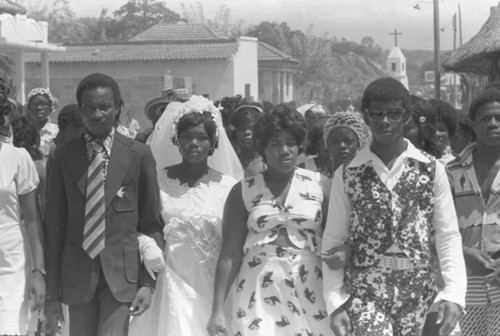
x=39 y=270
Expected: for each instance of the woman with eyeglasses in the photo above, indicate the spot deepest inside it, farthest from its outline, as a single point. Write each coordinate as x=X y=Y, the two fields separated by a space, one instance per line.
x=41 y=104
x=392 y=205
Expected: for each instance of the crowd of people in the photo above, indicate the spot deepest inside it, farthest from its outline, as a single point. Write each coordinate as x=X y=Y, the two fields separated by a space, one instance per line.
x=238 y=218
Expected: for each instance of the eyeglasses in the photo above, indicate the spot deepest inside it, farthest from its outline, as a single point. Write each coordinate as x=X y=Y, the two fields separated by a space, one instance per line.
x=42 y=105
x=394 y=114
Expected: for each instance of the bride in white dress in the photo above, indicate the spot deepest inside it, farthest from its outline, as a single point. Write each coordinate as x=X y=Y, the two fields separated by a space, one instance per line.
x=195 y=179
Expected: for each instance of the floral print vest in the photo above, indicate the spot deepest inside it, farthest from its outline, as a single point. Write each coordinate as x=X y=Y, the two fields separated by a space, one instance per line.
x=381 y=218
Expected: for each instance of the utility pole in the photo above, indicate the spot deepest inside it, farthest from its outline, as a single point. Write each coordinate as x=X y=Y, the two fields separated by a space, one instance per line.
x=454 y=81
x=460 y=23
x=437 y=74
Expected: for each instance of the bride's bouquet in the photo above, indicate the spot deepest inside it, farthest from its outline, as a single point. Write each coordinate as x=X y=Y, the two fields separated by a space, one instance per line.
x=202 y=234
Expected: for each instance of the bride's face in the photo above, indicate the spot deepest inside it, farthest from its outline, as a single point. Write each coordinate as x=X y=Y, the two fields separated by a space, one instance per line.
x=194 y=143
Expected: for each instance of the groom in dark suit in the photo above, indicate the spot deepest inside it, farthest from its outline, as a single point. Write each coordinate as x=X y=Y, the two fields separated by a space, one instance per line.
x=102 y=192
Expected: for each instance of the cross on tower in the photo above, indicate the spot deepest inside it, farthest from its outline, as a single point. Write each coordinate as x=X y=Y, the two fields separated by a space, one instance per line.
x=396 y=36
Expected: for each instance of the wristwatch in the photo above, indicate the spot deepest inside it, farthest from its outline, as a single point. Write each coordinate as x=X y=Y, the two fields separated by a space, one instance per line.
x=39 y=270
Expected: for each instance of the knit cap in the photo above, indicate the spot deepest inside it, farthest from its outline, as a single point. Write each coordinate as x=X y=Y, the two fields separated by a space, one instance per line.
x=348 y=120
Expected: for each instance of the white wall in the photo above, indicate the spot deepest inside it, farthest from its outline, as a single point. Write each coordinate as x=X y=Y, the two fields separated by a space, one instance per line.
x=245 y=66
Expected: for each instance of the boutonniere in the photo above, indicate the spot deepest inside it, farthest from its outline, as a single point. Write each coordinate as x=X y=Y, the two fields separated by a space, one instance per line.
x=121 y=192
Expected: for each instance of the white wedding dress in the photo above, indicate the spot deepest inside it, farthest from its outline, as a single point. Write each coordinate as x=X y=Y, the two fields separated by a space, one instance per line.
x=182 y=302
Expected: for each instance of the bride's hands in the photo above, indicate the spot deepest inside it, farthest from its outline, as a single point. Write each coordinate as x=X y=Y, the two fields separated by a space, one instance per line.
x=217 y=325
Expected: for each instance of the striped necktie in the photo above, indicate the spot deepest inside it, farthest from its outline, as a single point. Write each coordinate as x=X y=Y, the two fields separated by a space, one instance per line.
x=93 y=231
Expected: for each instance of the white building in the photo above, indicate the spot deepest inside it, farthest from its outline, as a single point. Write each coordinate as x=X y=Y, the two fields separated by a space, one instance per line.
x=396 y=66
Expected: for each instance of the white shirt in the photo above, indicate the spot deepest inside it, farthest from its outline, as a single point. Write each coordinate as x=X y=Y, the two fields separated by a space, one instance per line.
x=447 y=235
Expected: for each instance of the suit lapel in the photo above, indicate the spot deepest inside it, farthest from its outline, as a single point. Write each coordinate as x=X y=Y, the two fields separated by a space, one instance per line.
x=76 y=159
x=118 y=165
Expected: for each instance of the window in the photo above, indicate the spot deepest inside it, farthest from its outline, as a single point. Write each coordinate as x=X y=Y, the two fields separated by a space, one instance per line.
x=393 y=65
x=248 y=90
x=402 y=67
x=178 y=83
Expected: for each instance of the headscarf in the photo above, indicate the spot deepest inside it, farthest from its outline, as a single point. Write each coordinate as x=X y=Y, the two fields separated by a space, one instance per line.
x=348 y=120
x=43 y=92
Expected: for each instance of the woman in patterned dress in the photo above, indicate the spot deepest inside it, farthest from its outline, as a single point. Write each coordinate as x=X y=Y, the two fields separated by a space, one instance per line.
x=272 y=227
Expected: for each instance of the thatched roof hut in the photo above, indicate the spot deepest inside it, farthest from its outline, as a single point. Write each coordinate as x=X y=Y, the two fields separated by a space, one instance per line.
x=11 y=7
x=481 y=54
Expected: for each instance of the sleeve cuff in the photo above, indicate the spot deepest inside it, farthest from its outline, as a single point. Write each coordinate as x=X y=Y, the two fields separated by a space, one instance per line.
x=448 y=296
x=335 y=299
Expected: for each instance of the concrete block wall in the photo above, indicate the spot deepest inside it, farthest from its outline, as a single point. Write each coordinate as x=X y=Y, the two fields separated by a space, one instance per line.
x=136 y=93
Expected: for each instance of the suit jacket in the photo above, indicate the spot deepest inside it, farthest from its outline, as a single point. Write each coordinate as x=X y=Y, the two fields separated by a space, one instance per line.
x=72 y=275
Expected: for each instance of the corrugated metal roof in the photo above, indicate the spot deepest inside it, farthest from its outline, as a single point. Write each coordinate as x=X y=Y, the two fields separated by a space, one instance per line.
x=141 y=52
x=178 y=32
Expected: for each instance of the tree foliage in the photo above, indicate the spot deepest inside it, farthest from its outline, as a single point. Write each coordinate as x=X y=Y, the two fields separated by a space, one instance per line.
x=132 y=18
x=221 y=21
x=63 y=26
x=138 y=15
x=328 y=69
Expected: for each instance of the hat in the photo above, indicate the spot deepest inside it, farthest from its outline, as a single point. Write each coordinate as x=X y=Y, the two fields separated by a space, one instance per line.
x=316 y=108
x=348 y=120
x=155 y=107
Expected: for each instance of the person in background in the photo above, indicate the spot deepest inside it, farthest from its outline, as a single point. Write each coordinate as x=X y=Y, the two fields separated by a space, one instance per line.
x=420 y=127
x=317 y=155
x=22 y=264
x=311 y=111
x=475 y=181
x=464 y=135
x=241 y=123
x=446 y=124
x=227 y=105
x=383 y=205
x=155 y=107
x=344 y=136
x=272 y=226
x=70 y=123
x=421 y=130
x=25 y=135
x=41 y=104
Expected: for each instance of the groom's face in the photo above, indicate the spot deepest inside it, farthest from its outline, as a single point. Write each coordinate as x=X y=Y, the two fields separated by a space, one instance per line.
x=99 y=111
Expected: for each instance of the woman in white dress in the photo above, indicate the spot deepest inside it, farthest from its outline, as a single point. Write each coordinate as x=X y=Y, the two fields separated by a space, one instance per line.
x=18 y=189
x=195 y=179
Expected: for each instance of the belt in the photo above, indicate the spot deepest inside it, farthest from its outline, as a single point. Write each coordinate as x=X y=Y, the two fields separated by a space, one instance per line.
x=400 y=263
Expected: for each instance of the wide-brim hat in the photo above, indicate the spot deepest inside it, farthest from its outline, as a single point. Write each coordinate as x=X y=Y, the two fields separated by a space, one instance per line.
x=155 y=107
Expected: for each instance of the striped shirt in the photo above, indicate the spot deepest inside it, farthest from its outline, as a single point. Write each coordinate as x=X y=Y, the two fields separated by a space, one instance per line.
x=479 y=221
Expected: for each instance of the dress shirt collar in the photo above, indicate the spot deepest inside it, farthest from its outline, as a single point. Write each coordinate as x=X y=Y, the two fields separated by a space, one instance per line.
x=106 y=144
x=366 y=155
x=465 y=156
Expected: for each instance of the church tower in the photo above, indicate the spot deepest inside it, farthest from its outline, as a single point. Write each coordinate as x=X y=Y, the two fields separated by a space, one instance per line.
x=396 y=62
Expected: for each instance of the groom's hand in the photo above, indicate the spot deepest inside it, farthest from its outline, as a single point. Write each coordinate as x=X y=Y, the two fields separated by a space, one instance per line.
x=141 y=302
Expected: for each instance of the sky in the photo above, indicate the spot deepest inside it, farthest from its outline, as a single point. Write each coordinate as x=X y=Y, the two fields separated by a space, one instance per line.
x=351 y=19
